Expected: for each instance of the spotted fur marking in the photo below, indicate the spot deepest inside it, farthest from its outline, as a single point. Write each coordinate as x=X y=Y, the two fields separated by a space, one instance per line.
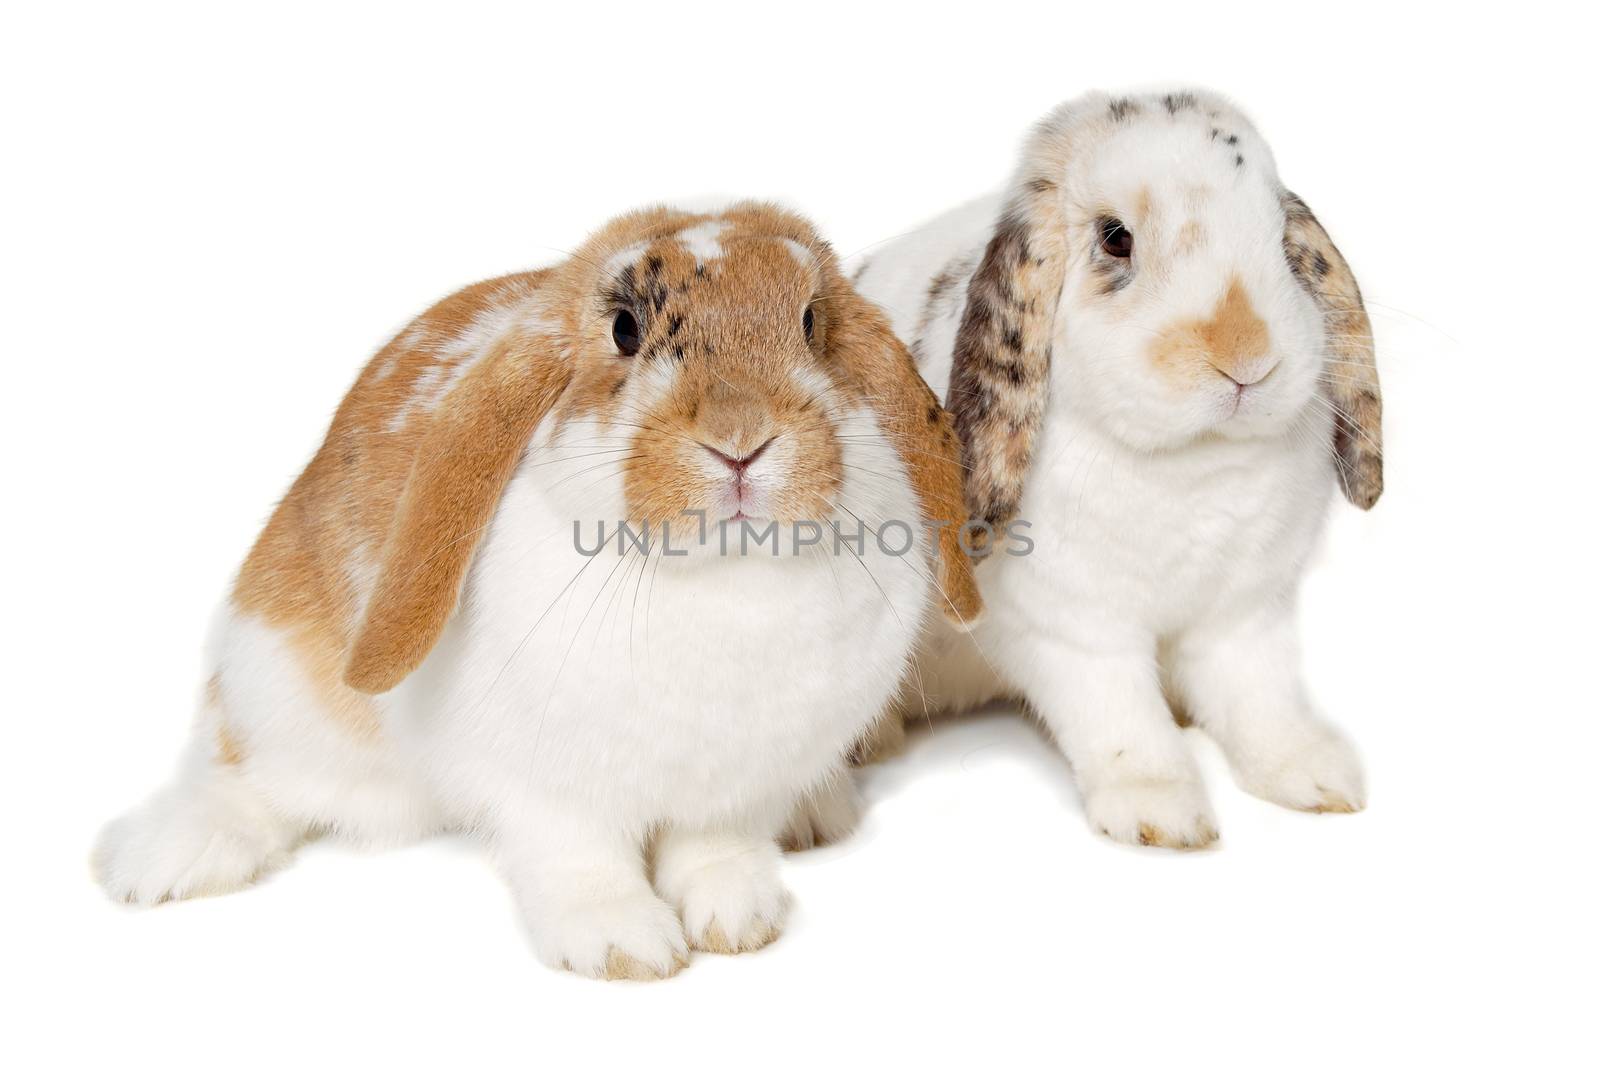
x=944 y=297
x=1001 y=366
x=1351 y=377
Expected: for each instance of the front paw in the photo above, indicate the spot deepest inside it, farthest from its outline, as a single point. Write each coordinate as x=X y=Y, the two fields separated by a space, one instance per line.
x=730 y=902
x=634 y=936
x=1165 y=812
x=1322 y=774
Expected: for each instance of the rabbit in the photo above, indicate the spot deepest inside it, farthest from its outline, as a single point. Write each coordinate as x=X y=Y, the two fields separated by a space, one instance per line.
x=436 y=633
x=1159 y=365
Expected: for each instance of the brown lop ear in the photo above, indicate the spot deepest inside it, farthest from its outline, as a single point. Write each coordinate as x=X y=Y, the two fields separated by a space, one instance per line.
x=462 y=465
x=882 y=370
x=1351 y=373
x=1000 y=373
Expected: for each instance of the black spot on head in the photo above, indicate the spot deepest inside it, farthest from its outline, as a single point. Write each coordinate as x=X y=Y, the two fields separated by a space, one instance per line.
x=677 y=353
x=1238 y=161
x=674 y=324
x=933 y=413
x=1233 y=138
x=616 y=386
x=1319 y=263
x=653 y=265
x=1121 y=108
x=1176 y=102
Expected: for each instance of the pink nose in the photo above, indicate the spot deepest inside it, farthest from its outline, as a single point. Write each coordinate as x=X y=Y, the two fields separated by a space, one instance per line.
x=737 y=464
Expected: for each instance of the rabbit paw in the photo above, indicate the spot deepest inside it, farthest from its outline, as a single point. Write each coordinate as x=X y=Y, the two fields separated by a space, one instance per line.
x=188 y=843
x=1166 y=812
x=1322 y=775
x=731 y=900
x=634 y=936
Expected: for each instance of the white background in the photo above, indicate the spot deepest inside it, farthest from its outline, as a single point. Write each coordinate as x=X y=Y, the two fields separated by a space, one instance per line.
x=212 y=218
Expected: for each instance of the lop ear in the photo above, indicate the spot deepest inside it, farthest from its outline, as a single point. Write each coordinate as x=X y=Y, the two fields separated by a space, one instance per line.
x=883 y=372
x=1350 y=374
x=462 y=464
x=1000 y=373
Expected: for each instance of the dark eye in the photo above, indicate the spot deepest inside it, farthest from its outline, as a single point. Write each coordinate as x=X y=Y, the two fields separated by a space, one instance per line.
x=1115 y=238
x=625 y=332
x=808 y=322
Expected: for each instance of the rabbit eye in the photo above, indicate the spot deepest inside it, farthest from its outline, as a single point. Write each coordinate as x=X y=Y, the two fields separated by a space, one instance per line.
x=625 y=332
x=808 y=322
x=1115 y=238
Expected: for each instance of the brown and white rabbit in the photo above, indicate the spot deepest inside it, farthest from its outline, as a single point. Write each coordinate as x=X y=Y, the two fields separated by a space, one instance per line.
x=1158 y=360
x=434 y=631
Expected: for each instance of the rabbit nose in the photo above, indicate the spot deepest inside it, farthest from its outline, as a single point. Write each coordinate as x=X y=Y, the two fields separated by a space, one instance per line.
x=737 y=464
x=1248 y=374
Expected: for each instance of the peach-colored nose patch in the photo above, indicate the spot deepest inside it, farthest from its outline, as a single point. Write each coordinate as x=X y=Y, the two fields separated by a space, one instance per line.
x=1234 y=335
x=1232 y=340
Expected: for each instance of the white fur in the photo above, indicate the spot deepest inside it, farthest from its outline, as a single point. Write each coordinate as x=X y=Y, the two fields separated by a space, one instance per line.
x=1170 y=534
x=800 y=252
x=513 y=308
x=575 y=711
x=704 y=240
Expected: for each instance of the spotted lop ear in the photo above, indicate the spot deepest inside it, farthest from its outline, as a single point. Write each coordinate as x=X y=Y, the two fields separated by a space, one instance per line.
x=1000 y=374
x=462 y=465
x=882 y=370
x=1351 y=372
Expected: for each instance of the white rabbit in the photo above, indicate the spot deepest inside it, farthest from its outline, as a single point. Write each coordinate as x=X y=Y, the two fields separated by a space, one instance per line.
x=1159 y=361
x=424 y=636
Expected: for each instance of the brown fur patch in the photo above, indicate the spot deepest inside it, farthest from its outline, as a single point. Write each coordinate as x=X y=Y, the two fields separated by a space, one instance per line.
x=1144 y=211
x=229 y=752
x=881 y=370
x=1234 y=334
x=1191 y=239
x=461 y=468
x=1228 y=341
x=1205 y=837
x=1351 y=375
x=621 y=966
x=712 y=939
x=303 y=575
